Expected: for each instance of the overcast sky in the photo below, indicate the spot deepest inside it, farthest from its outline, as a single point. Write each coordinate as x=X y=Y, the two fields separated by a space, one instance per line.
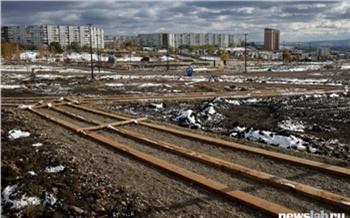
x=297 y=20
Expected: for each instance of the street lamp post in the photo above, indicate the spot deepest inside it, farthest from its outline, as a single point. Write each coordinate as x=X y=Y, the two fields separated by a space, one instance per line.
x=245 y=52
x=92 y=64
x=167 y=59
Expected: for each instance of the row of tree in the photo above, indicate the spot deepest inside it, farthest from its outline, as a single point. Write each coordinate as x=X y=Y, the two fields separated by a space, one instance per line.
x=12 y=51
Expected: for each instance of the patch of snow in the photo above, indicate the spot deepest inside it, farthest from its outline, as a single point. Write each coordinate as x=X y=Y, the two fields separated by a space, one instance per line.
x=334 y=95
x=209 y=109
x=56 y=169
x=157 y=106
x=37 y=144
x=15 y=134
x=11 y=86
x=234 y=102
x=250 y=100
x=273 y=139
x=6 y=193
x=49 y=199
x=17 y=204
x=345 y=67
x=150 y=85
x=25 y=201
x=114 y=84
x=32 y=173
x=292 y=125
x=187 y=118
x=239 y=129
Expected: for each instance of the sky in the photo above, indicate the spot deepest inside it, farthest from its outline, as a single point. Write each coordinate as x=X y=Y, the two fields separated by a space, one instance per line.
x=296 y=20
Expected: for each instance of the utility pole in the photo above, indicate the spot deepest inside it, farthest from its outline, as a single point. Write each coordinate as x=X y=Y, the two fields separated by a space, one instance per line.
x=283 y=53
x=245 y=52
x=167 y=59
x=98 y=55
x=92 y=64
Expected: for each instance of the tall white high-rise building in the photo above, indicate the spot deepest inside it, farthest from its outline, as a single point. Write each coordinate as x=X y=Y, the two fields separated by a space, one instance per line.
x=44 y=35
x=157 y=40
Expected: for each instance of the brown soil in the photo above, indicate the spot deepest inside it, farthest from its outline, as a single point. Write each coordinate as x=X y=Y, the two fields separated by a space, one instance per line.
x=101 y=182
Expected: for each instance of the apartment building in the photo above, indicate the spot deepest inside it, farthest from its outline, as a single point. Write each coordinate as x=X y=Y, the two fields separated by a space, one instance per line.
x=323 y=52
x=156 y=40
x=159 y=40
x=44 y=35
x=271 y=39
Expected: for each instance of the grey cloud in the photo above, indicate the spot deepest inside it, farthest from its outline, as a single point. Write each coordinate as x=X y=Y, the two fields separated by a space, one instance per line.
x=132 y=17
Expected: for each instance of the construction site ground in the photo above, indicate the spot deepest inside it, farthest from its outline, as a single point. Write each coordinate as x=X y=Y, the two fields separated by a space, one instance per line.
x=99 y=181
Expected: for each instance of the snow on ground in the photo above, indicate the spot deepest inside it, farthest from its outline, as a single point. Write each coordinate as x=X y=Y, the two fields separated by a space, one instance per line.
x=272 y=138
x=10 y=86
x=37 y=144
x=55 y=169
x=281 y=80
x=187 y=118
x=10 y=194
x=33 y=56
x=292 y=125
x=15 y=134
x=10 y=191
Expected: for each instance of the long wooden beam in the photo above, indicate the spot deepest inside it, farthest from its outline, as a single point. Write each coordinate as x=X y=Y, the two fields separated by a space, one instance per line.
x=334 y=199
x=251 y=201
x=325 y=196
x=340 y=171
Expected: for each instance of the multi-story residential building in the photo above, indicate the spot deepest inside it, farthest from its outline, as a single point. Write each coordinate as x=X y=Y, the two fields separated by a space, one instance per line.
x=158 y=40
x=323 y=52
x=271 y=39
x=44 y=35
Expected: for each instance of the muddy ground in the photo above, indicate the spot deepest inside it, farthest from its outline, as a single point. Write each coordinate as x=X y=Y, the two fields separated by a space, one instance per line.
x=85 y=188
x=323 y=118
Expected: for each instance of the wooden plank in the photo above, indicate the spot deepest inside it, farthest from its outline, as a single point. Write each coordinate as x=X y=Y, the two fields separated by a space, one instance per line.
x=325 y=196
x=54 y=119
x=340 y=171
x=101 y=126
x=254 y=202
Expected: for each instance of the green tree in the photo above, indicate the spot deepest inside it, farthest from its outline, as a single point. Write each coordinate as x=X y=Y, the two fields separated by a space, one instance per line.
x=171 y=49
x=42 y=50
x=75 y=47
x=57 y=46
x=7 y=49
x=190 y=48
x=224 y=57
x=130 y=44
x=287 y=55
x=232 y=45
x=211 y=48
x=85 y=48
x=52 y=51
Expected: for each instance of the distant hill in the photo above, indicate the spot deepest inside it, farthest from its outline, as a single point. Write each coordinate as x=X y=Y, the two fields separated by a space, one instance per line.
x=338 y=45
x=344 y=42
